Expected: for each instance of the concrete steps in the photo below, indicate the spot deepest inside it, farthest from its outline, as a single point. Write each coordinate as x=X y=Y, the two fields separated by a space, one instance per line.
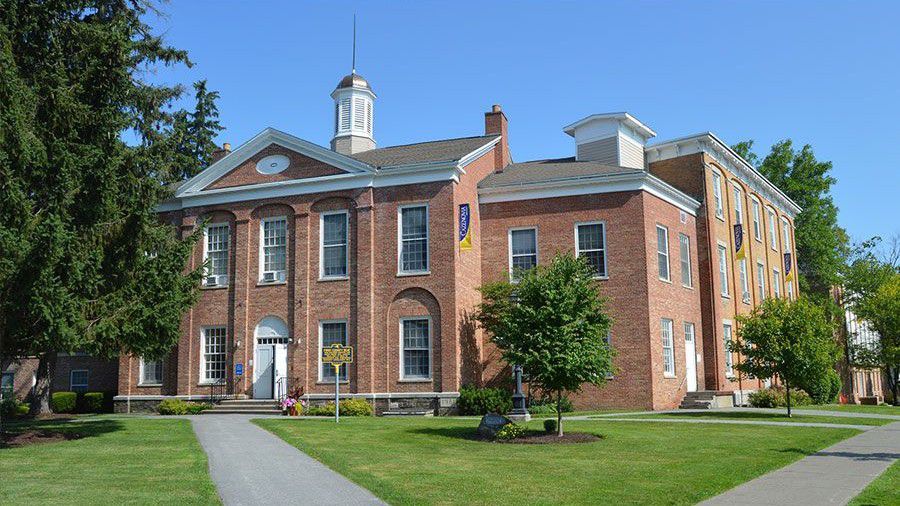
x=707 y=399
x=409 y=412
x=245 y=407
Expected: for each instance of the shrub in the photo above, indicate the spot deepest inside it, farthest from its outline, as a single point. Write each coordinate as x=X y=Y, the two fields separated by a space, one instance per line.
x=91 y=402
x=510 y=431
x=349 y=407
x=548 y=406
x=550 y=426
x=63 y=402
x=826 y=389
x=173 y=407
x=12 y=408
x=481 y=401
x=775 y=397
x=195 y=408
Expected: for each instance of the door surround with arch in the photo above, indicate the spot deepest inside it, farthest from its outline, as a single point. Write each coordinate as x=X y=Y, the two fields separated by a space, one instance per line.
x=270 y=358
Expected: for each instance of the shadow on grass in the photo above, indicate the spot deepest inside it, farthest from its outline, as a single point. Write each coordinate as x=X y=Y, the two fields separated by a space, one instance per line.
x=28 y=432
x=464 y=433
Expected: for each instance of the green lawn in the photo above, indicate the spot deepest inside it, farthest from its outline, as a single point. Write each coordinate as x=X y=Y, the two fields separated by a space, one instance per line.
x=766 y=417
x=432 y=461
x=884 y=490
x=116 y=461
x=884 y=409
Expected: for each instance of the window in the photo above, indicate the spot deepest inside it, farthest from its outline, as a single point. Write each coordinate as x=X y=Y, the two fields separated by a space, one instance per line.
x=738 y=205
x=761 y=279
x=729 y=360
x=689 y=333
x=776 y=282
x=789 y=288
x=331 y=332
x=785 y=236
x=215 y=253
x=668 y=348
x=78 y=380
x=415 y=335
x=684 y=243
x=273 y=249
x=717 y=194
x=757 y=228
x=333 y=240
x=590 y=243
x=723 y=270
x=151 y=372
x=212 y=355
x=522 y=250
x=413 y=239
x=773 y=234
x=662 y=252
x=6 y=384
x=745 y=281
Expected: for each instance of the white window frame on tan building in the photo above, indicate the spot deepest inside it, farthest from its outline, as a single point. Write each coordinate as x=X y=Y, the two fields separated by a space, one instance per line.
x=717 y=195
x=509 y=248
x=79 y=387
x=221 y=278
x=204 y=334
x=142 y=369
x=756 y=208
x=776 y=282
x=773 y=228
x=345 y=245
x=345 y=369
x=738 y=194
x=668 y=358
x=728 y=337
x=403 y=376
x=722 y=253
x=602 y=249
x=279 y=275
x=785 y=235
x=761 y=279
x=684 y=255
x=660 y=254
x=744 y=276
x=414 y=272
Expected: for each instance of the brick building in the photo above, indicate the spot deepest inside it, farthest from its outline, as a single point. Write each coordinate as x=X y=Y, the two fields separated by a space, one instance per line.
x=307 y=246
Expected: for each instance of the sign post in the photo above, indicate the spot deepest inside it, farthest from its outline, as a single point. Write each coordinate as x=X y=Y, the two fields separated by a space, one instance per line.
x=337 y=355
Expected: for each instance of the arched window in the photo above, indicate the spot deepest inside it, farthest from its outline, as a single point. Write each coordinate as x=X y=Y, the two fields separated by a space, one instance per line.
x=271 y=330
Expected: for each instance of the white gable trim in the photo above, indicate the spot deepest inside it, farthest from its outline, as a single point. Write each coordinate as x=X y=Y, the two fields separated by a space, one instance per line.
x=269 y=136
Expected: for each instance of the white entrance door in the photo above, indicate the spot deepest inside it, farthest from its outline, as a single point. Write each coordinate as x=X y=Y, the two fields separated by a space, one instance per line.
x=264 y=372
x=690 y=356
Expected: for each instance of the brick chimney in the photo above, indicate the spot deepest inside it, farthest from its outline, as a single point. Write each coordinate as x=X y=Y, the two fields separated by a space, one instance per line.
x=220 y=153
x=495 y=123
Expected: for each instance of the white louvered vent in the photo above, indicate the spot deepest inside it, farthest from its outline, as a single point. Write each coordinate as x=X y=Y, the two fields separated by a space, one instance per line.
x=369 y=118
x=345 y=114
x=359 y=113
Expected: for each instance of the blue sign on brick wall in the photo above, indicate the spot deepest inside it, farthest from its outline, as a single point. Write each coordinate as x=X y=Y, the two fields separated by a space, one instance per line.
x=238 y=369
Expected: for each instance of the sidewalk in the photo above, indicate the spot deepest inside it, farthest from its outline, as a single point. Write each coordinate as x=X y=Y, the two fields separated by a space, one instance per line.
x=250 y=466
x=834 y=475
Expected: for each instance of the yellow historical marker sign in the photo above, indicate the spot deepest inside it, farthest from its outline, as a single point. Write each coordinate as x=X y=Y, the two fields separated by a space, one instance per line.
x=337 y=355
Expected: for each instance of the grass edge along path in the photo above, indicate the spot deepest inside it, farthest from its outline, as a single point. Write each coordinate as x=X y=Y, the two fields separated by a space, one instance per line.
x=885 y=489
x=416 y=461
x=883 y=409
x=115 y=460
x=714 y=415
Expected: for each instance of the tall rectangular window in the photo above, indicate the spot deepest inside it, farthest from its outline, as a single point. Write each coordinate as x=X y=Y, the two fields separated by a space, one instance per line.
x=590 y=243
x=745 y=280
x=78 y=380
x=416 y=355
x=273 y=232
x=761 y=279
x=776 y=282
x=789 y=288
x=757 y=227
x=413 y=238
x=332 y=332
x=684 y=243
x=738 y=205
x=151 y=372
x=729 y=360
x=522 y=250
x=723 y=270
x=6 y=384
x=667 y=347
x=333 y=244
x=717 y=194
x=212 y=354
x=662 y=252
x=785 y=236
x=215 y=254
x=773 y=233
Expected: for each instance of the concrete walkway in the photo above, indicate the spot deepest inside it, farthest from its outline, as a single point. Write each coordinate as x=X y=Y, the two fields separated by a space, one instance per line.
x=834 y=475
x=773 y=411
x=251 y=466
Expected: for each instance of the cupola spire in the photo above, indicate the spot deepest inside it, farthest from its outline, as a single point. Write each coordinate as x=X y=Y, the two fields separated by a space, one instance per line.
x=354 y=111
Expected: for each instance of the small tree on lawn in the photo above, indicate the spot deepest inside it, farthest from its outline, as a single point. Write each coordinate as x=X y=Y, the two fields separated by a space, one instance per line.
x=881 y=310
x=792 y=340
x=551 y=321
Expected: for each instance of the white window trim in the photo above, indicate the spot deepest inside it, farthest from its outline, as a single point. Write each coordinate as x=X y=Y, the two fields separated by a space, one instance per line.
x=761 y=280
x=413 y=379
x=756 y=209
x=726 y=293
x=427 y=270
x=671 y=329
x=738 y=194
x=785 y=235
x=262 y=256
x=227 y=226
x=668 y=254
x=690 y=263
x=320 y=378
x=729 y=357
x=718 y=198
x=141 y=382
x=773 y=228
x=776 y=282
x=578 y=250
x=202 y=376
x=509 y=254
x=72 y=379
x=744 y=277
x=322 y=276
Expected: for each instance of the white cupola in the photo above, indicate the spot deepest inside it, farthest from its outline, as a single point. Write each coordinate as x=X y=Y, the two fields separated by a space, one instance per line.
x=354 y=111
x=616 y=138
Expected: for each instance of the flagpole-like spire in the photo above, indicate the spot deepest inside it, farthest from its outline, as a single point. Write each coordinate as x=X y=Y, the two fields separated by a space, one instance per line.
x=353 y=68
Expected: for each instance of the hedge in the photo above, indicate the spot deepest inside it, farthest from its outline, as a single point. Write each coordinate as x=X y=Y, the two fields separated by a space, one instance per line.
x=63 y=402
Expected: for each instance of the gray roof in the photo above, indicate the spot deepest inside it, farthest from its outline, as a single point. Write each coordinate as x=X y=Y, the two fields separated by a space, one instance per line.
x=550 y=170
x=448 y=150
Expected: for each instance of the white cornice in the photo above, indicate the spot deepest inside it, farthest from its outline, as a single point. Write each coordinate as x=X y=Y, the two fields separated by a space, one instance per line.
x=607 y=183
x=710 y=144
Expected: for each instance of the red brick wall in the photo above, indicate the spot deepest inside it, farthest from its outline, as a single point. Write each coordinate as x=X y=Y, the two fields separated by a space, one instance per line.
x=300 y=167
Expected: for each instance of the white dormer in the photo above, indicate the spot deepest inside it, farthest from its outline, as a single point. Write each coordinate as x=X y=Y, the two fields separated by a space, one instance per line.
x=354 y=110
x=614 y=138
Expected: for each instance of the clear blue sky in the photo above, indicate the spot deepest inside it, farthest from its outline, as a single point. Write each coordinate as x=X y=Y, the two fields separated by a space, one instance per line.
x=824 y=73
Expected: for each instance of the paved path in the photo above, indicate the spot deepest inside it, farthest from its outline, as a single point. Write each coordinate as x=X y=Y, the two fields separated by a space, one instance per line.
x=834 y=475
x=725 y=421
x=251 y=466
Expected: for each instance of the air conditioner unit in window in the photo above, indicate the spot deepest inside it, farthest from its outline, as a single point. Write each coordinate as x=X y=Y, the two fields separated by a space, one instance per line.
x=269 y=277
x=212 y=280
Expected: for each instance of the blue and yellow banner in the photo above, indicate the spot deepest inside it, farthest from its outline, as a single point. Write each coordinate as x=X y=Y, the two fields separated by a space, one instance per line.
x=740 y=249
x=788 y=271
x=465 y=231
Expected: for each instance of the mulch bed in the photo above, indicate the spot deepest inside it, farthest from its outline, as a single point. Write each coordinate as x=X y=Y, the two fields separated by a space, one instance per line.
x=567 y=438
x=30 y=437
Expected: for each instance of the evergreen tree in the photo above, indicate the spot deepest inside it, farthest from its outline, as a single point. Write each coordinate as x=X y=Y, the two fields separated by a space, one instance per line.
x=85 y=263
x=194 y=133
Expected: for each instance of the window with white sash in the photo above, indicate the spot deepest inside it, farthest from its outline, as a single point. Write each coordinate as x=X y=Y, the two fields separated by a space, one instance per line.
x=415 y=336
x=151 y=372
x=785 y=236
x=757 y=226
x=413 y=238
x=738 y=204
x=215 y=254
x=662 y=252
x=523 y=253
x=773 y=232
x=78 y=380
x=761 y=279
x=745 y=280
x=212 y=354
x=668 y=348
x=590 y=243
x=723 y=270
x=333 y=240
x=684 y=243
x=729 y=360
x=776 y=282
x=717 y=194
x=273 y=249
x=331 y=332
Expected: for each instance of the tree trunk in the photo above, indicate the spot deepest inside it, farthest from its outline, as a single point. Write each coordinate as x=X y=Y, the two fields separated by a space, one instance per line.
x=559 y=429
x=894 y=384
x=787 y=389
x=40 y=401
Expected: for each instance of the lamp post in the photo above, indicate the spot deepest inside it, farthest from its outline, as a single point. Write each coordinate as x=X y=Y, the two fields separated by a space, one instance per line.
x=519 y=413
